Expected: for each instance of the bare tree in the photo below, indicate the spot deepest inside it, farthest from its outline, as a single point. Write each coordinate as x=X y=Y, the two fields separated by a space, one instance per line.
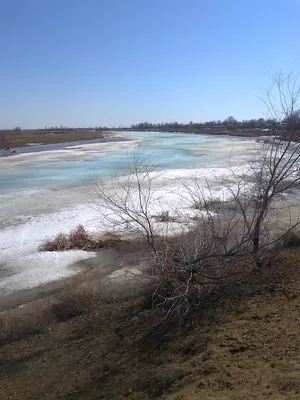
x=277 y=169
x=188 y=263
x=228 y=245
x=125 y=201
x=218 y=245
x=269 y=176
x=282 y=100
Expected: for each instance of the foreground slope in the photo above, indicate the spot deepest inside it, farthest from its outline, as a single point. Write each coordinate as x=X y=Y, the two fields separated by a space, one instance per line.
x=244 y=344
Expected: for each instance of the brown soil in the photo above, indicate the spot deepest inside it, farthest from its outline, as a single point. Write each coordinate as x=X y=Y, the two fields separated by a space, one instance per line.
x=242 y=344
x=21 y=139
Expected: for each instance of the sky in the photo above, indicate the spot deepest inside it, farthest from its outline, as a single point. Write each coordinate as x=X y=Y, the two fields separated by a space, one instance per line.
x=120 y=62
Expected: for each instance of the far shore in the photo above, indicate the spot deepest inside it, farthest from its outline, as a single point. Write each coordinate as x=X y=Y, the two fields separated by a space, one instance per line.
x=11 y=140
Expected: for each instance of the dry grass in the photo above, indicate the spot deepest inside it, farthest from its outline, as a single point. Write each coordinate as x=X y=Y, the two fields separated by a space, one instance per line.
x=59 y=243
x=15 y=326
x=77 y=297
x=78 y=239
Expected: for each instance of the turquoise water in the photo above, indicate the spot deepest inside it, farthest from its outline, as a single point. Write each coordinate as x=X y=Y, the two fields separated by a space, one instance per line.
x=171 y=149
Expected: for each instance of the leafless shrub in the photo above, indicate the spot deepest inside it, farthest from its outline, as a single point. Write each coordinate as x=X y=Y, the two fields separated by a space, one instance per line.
x=190 y=267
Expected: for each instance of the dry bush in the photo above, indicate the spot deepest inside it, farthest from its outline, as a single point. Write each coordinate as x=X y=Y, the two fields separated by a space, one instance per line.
x=205 y=204
x=79 y=239
x=291 y=239
x=15 y=326
x=76 y=298
x=182 y=287
x=164 y=217
x=59 y=243
x=187 y=268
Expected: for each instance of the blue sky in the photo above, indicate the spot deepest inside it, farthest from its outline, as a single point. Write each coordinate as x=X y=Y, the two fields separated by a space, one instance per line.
x=118 y=62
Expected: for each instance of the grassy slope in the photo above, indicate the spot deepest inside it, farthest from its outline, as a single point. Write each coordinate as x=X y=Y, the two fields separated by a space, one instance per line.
x=243 y=345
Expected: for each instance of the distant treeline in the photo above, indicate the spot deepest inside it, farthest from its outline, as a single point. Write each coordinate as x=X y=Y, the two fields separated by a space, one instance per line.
x=228 y=123
x=65 y=128
x=292 y=122
x=57 y=129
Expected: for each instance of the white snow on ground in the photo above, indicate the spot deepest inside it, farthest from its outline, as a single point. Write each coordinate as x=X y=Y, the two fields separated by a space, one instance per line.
x=23 y=266
x=36 y=268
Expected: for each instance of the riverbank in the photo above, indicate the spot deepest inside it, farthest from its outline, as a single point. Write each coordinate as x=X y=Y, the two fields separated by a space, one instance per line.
x=241 y=344
x=107 y=267
x=13 y=139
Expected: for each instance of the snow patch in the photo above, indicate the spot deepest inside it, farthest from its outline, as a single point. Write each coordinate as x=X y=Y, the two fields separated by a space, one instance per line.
x=39 y=268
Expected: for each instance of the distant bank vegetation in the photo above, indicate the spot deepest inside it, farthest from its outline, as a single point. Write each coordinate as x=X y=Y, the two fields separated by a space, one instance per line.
x=229 y=124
